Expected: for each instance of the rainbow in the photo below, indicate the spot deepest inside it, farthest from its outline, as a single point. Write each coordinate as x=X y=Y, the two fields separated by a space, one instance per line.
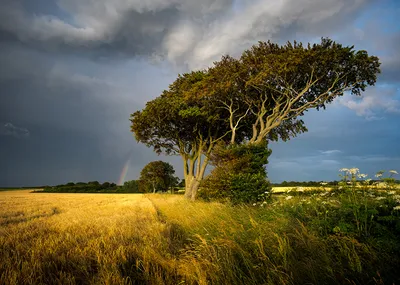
x=124 y=171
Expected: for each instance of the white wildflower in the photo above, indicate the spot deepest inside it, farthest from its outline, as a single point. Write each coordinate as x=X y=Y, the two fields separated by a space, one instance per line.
x=324 y=183
x=391 y=192
x=397 y=208
x=288 y=197
x=323 y=194
x=380 y=198
x=343 y=169
x=379 y=175
x=362 y=176
x=255 y=204
x=393 y=172
x=354 y=170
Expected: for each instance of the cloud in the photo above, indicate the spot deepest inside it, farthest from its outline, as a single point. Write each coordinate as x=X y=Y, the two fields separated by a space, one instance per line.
x=330 y=152
x=8 y=129
x=374 y=102
x=193 y=33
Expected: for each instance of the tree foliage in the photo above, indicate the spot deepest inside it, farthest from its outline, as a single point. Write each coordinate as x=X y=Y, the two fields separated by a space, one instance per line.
x=263 y=93
x=131 y=186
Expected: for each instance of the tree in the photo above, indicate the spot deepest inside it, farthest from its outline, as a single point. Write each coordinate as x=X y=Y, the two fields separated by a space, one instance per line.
x=131 y=186
x=174 y=125
x=106 y=185
x=157 y=176
x=266 y=90
x=251 y=100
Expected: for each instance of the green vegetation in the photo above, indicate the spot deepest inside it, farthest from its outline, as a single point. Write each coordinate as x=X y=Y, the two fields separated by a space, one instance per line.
x=251 y=100
x=131 y=186
x=239 y=175
x=82 y=187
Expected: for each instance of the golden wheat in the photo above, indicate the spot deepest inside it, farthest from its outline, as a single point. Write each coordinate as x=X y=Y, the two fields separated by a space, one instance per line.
x=72 y=238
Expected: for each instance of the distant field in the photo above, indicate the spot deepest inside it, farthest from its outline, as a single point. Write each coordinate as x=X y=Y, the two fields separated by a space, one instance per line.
x=281 y=189
x=18 y=189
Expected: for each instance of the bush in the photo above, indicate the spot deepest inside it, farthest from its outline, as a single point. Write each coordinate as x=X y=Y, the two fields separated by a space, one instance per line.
x=239 y=175
x=249 y=188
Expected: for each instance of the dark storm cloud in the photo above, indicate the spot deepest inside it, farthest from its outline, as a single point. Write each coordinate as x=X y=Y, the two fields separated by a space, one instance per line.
x=185 y=32
x=72 y=71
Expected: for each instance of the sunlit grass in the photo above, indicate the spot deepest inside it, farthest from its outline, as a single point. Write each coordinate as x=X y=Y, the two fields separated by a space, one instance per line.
x=71 y=238
x=164 y=239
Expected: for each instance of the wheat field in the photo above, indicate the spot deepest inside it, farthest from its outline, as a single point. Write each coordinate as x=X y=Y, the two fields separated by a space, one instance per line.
x=73 y=238
x=165 y=239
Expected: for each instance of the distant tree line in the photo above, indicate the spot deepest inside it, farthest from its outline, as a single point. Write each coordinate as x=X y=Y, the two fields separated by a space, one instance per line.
x=156 y=176
x=83 y=187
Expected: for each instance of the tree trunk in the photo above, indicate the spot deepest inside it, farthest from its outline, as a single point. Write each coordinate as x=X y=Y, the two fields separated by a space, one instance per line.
x=191 y=188
x=188 y=186
x=192 y=182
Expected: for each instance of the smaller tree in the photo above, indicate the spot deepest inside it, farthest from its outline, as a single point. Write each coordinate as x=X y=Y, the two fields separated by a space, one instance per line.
x=157 y=176
x=131 y=186
x=106 y=185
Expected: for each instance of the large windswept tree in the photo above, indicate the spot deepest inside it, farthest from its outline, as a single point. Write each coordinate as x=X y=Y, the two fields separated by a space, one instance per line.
x=266 y=90
x=253 y=99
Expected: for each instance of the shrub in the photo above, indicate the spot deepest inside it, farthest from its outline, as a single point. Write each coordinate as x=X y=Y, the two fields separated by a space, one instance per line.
x=239 y=175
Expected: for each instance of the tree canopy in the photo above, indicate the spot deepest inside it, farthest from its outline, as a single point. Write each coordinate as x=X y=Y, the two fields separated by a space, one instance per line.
x=253 y=99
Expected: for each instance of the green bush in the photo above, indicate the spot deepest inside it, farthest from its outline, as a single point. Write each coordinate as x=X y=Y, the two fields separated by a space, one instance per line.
x=249 y=188
x=239 y=175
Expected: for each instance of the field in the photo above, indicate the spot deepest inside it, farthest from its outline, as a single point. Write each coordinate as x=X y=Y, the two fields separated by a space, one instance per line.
x=323 y=238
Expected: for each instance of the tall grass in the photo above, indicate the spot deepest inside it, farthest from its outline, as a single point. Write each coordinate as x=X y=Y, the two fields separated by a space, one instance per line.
x=164 y=239
x=259 y=245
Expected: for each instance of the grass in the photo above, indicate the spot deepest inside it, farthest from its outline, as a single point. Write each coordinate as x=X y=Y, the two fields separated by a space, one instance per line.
x=317 y=238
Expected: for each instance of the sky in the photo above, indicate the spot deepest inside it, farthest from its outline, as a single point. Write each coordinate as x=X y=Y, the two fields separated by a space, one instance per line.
x=72 y=72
